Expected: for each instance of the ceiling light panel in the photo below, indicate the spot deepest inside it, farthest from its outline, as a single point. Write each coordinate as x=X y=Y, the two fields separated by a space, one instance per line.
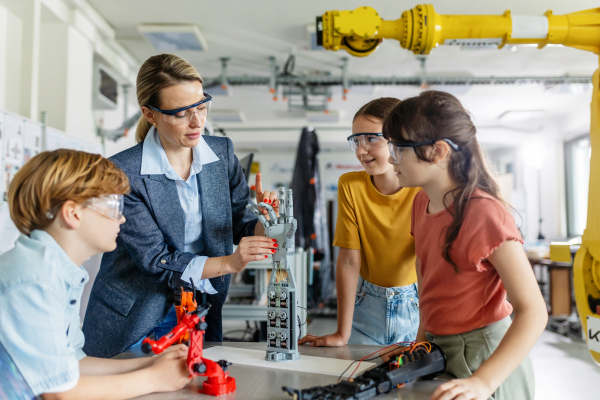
x=173 y=37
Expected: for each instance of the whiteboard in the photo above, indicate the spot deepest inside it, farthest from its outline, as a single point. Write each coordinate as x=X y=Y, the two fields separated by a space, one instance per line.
x=56 y=139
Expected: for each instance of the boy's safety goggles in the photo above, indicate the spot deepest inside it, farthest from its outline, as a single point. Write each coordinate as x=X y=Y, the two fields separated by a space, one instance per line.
x=184 y=115
x=369 y=141
x=397 y=148
x=109 y=205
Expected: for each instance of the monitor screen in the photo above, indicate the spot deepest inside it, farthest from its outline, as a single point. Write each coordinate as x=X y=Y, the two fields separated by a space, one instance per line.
x=108 y=86
x=246 y=164
x=12 y=384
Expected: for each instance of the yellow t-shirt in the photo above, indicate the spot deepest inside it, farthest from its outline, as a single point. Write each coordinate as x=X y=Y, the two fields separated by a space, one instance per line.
x=379 y=226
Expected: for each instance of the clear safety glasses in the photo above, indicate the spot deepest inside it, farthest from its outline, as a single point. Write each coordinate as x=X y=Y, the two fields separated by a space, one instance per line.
x=398 y=148
x=369 y=141
x=184 y=115
x=109 y=205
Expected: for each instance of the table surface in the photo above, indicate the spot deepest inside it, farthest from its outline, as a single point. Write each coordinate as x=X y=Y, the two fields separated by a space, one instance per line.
x=266 y=383
x=550 y=263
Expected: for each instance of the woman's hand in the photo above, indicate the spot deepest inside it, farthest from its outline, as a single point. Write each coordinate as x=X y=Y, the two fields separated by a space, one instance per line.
x=252 y=248
x=332 y=340
x=471 y=388
x=267 y=197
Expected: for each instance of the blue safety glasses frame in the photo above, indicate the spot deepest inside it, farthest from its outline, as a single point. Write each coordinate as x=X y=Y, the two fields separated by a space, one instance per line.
x=206 y=99
x=397 y=147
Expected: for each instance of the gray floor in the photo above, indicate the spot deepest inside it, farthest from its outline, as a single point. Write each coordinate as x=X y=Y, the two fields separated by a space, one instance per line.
x=563 y=368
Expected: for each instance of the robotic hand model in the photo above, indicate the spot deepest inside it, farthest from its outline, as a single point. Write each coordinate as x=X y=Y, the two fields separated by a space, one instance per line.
x=219 y=382
x=282 y=311
x=421 y=29
x=423 y=360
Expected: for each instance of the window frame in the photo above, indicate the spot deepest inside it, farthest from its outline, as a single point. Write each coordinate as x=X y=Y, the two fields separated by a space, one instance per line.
x=568 y=159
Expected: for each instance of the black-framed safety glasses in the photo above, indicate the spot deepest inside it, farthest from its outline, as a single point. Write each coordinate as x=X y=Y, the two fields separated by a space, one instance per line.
x=184 y=115
x=397 y=148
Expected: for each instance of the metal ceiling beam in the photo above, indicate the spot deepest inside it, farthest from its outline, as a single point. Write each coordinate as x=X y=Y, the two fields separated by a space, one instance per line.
x=325 y=80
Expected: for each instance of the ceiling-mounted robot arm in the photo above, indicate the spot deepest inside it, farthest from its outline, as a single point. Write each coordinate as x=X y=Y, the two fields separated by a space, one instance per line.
x=421 y=29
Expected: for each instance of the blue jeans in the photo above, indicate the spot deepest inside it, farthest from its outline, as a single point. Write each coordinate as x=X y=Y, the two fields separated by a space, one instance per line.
x=163 y=328
x=384 y=316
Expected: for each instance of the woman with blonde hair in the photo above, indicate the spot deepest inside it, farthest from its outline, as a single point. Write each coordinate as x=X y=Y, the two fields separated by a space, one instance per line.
x=185 y=212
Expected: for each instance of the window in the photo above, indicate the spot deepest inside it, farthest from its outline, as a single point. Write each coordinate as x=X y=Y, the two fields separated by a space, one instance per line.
x=577 y=178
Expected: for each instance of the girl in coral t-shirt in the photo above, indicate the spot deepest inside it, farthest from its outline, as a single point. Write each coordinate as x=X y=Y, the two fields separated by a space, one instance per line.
x=469 y=253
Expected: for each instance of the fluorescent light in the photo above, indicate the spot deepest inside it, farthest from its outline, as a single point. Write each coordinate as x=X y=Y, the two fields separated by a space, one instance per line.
x=172 y=37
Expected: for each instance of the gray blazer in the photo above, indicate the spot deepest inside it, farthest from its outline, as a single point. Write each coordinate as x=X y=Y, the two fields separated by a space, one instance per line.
x=129 y=296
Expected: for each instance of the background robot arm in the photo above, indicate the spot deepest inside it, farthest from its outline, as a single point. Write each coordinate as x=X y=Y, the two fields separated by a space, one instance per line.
x=421 y=29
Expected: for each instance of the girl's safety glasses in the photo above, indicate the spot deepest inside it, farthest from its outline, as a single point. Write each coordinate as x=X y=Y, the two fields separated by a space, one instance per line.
x=184 y=115
x=397 y=148
x=369 y=141
x=109 y=205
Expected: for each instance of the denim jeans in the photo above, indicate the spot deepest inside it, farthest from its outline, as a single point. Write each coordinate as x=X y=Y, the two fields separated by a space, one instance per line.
x=384 y=316
x=163 y=328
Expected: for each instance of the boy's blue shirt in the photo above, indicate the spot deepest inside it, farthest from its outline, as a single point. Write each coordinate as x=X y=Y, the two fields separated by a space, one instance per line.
x=40 y=295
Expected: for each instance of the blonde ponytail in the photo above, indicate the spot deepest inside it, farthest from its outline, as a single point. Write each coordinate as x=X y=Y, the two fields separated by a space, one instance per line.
x=159 y=72
x=143 y=127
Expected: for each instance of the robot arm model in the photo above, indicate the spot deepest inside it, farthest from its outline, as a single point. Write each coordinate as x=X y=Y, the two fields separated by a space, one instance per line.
x=421 y=29
x=193 y=323
x=422 y=360
x=282 y=310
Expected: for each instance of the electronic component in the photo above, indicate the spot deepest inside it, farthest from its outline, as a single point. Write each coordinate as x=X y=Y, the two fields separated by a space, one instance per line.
x=422 y=360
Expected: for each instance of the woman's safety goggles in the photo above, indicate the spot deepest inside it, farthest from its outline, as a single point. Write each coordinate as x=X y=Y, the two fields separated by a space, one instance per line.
x=369 y=141
x=184 y=115
x=109 y=205
x=397 y=148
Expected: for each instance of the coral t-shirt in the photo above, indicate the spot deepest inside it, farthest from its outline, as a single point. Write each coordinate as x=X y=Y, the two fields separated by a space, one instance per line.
x=457 y=302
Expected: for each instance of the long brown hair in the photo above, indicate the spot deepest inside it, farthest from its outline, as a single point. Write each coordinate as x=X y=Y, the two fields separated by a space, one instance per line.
x=159 y=72
x=377 y=109
x=434 y=115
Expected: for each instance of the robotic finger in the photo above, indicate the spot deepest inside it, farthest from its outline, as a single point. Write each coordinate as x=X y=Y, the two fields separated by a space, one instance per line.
x=260 y=216
x=270 y=212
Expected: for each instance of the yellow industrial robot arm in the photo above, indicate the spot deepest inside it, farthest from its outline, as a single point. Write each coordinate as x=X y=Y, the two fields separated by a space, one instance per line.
x=421 y=29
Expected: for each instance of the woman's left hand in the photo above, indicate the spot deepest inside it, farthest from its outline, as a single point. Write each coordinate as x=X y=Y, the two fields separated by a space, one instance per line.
x=471 y=388
x=266 y=197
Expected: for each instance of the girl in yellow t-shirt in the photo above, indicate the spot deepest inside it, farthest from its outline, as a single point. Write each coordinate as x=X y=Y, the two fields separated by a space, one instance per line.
x=377 y=251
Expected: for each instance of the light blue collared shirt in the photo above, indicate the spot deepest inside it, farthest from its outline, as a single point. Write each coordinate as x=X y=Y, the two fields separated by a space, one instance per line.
x=155 y=162
x=40 y=297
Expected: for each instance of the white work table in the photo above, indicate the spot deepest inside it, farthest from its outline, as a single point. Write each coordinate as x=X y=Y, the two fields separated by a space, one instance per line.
x=265 y=383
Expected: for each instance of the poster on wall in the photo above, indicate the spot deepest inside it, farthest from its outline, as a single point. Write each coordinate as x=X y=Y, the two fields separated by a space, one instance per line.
x=32 y=140
x=13 y=153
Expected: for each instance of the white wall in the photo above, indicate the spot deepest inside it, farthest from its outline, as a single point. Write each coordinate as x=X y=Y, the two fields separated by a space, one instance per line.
x=47 y=51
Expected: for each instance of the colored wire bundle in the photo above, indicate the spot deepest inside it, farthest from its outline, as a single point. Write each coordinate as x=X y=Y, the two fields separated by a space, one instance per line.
x=411 y=347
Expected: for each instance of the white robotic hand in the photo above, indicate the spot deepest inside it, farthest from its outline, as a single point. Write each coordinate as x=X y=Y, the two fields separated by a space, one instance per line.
x=281 y=308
